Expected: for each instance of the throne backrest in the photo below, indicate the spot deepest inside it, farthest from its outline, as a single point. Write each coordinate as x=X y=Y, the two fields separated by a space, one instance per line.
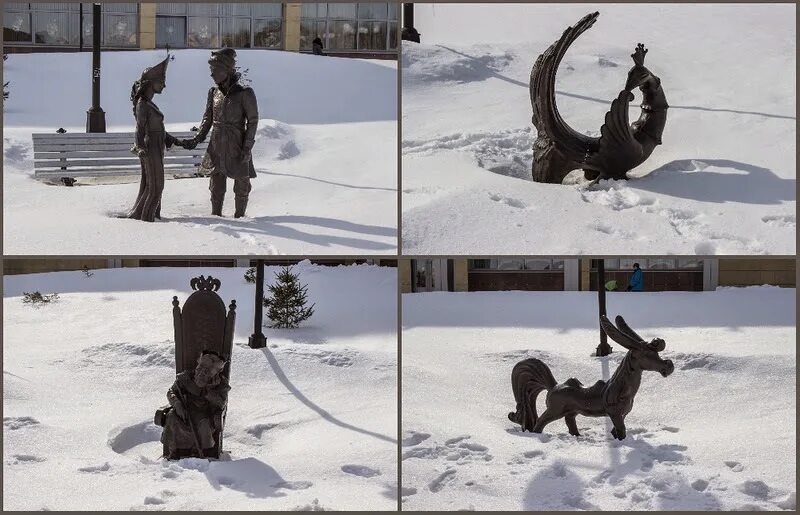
x=203 y=325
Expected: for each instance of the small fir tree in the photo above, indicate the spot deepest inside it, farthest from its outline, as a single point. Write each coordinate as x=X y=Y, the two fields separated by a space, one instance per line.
x=287 y=303
x=250 y=275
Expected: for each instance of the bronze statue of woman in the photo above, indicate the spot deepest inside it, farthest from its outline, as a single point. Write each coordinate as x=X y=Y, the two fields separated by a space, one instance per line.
x=151 y=140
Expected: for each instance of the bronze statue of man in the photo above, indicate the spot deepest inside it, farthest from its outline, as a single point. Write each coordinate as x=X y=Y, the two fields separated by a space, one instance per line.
x=232 y=117
x=198 y=398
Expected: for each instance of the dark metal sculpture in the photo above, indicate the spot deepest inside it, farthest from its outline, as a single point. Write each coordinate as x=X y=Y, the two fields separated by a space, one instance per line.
x=194 y=420
x=613 y=398
x=559 y=149
x=232 y=117
x=151 y=141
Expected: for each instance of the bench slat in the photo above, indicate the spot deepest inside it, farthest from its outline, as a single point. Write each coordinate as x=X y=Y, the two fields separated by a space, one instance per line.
x=72 y=154
x=100 y=148
x=109 y=162
x=94 y=172
x=98 y=136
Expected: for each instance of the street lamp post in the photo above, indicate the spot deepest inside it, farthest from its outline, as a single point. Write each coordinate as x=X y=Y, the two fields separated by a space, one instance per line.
x=258 y=340
x=95 y=117
x=80 y=32
x=604 y=349
x=409 y=33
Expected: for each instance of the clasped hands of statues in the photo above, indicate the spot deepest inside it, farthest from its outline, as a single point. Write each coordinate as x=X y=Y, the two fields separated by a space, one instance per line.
x=189 y=144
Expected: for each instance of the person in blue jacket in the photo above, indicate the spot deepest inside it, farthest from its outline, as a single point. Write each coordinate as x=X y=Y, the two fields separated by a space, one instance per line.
x=636 y=282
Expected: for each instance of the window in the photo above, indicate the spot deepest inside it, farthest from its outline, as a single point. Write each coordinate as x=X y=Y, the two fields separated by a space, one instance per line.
x=268 y=33
x=171 y=31
x=349 y=26
x=236 y=32
x=58 y=24
x=517 y=264
x=626 y=264
x=235 y=25
x=16 y=25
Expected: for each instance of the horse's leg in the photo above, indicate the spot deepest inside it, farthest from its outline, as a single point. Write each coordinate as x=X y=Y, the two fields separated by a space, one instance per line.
x=571 y=424
x=545 y=418
x=619 y=426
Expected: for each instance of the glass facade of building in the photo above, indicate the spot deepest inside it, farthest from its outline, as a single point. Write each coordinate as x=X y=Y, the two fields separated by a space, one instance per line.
x=183 y=25
x=58 y=25
x=350 y=27
x=366 y=29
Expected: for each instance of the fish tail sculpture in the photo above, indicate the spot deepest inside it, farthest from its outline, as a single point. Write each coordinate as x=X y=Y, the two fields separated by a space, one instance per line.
x=559 y=149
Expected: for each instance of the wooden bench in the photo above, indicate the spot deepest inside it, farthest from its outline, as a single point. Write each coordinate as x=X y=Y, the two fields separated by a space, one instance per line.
x=65 y=157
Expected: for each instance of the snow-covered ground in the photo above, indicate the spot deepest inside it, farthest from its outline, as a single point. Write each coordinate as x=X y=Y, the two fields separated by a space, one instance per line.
x=325 y=156
x=719 y=433
x=723 y=182
x=311 y=424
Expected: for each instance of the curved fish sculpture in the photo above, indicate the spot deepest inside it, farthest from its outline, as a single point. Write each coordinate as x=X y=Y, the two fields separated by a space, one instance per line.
x=559 y=149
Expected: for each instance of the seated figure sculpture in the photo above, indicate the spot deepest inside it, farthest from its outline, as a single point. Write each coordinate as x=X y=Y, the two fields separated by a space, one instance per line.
x=198 y=398
x=194 y=419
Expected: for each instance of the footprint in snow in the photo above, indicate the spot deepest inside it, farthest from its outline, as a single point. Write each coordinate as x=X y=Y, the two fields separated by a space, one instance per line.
x=105 y=467
x=757 y=489
x=440 y=481
x=294 y=485
x=735 y=466
x=412 y=438
x=259 y=429
x=14 y=423
x=509 y=201
x=360 y=470
x=18 y=459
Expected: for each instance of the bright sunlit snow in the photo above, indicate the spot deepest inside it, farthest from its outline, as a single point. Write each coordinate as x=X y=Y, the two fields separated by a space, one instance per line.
x=311 y=423
x=717 y=434
x=325 y=155
x=723 y=182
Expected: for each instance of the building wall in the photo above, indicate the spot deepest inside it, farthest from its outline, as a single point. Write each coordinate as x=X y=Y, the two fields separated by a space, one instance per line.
x=754 y=272
x=404 y=269
x=35 y=266
x=460 y=275
x=147 y=26
x=292 y=27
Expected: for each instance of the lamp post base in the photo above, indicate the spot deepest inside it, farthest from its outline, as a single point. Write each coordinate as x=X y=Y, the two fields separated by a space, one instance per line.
x=409 y=34
x=603 y=349
x=257 y=341
x=95 y=120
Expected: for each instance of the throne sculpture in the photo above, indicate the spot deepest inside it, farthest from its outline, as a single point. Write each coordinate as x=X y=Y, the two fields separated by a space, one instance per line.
x=202 y=327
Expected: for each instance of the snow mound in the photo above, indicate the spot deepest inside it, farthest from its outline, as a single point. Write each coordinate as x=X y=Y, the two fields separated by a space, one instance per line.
x=275 y=141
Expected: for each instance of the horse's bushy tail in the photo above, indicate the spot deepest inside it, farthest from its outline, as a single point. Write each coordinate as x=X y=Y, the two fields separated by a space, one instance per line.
x=528 y=378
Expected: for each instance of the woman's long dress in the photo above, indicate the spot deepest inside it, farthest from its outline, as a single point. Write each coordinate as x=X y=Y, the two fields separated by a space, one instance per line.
x=152 y=138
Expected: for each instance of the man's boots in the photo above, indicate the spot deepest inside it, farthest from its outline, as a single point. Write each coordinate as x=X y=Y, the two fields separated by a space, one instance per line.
x=241 y=206
x=216 y=208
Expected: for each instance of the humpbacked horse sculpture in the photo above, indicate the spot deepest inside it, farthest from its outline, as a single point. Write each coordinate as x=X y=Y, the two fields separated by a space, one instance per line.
x=559 y=149
x=569 y=399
